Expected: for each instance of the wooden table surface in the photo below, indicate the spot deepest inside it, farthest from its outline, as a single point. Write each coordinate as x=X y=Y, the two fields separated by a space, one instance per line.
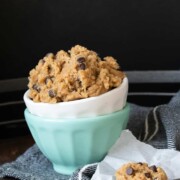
x=11 y=148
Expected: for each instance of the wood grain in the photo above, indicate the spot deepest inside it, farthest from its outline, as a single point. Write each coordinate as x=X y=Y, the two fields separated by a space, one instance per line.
x=11 y=148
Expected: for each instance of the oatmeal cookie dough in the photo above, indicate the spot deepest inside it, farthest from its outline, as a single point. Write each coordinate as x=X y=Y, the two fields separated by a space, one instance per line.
x=140 y=171
x=76 y=74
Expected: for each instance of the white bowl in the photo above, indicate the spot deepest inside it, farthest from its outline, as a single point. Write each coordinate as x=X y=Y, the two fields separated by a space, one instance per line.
x=106 y=103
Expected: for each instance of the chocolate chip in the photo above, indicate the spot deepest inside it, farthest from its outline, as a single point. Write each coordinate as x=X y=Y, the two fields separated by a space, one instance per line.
x=81 y=60
x=153 y=168
x=36 y=87
x=49 y=68
x=52 y=94
x=129 y=171
x=148 y=175
x=82 y=66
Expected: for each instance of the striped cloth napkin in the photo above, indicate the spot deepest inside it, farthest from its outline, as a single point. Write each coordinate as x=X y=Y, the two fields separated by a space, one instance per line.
x=158 y=126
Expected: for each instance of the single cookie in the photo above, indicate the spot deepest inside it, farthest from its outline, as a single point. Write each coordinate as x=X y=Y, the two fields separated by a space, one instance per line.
x=76 y=74
x=140 y=171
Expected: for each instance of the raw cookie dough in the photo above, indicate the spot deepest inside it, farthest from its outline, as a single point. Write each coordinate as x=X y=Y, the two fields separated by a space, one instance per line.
x=76 y=74
x=140 y=171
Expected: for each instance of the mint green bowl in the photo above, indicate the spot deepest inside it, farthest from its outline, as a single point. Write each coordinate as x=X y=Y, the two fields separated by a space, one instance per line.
x=71 y=143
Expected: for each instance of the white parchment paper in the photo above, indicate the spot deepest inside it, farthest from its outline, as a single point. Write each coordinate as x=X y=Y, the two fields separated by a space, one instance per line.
x=129 y=149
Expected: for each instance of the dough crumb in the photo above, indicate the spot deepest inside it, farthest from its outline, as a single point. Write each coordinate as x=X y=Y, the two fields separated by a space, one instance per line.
x=76 y=74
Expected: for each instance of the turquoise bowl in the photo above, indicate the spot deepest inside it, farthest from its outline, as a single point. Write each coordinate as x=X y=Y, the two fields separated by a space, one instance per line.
x=71 y=143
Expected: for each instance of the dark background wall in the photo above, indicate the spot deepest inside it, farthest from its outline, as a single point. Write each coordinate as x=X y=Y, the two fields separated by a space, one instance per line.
x=142 y=35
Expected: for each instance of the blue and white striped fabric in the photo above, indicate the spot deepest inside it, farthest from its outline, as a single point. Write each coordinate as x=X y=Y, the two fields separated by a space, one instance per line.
x=158 y=126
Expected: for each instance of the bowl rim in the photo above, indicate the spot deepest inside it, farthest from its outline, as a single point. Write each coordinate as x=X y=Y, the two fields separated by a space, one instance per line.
x=67 y=120
x=74 y=102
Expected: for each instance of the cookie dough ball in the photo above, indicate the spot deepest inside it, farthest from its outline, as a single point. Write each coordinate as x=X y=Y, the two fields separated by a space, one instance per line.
x=76 y=74
x=140 y=171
